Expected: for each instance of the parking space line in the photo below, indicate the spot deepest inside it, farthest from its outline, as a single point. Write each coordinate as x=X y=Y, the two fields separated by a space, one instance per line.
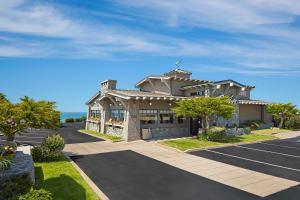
x=279 y=145
x=273 y=152
x=265 y=163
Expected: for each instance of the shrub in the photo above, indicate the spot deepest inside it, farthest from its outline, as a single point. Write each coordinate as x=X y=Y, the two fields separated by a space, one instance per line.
x=216 y=134
x=40 y=194
x=254 y=125
x=4 y=163
x=15 y=186
x=69 y=120
x=50 y=149
x=37 y=154
x=293 y=122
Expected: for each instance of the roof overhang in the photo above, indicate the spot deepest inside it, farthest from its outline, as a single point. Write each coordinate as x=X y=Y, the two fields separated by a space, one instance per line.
x=93 y=98
x=254 y=102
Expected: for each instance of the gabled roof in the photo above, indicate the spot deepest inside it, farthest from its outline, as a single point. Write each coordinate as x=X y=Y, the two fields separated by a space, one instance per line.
x=169 y=78
x=93 y=98
x=254 y=102
x=234 y=82
x=134 y=94
x=196 y=86
x=178 y=71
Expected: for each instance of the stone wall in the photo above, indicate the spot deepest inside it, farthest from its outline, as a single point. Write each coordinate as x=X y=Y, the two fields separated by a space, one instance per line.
x=22 y=163
x=93 y=126
x=160 y=133
x=114 y=130
x=237 y=131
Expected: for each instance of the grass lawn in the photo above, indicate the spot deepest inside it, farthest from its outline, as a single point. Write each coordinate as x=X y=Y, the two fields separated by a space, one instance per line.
x=62 y=180
x=271 y=131
x=110 y=137
x=191 y=143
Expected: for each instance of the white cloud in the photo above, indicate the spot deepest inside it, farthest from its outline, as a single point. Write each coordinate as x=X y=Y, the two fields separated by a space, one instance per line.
x=46 y=30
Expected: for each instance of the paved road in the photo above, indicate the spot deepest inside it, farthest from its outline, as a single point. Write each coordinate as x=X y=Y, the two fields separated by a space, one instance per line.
x=68 y=132
x=127 y=175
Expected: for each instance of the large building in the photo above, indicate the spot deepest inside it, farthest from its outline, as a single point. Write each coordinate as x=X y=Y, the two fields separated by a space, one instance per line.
x=147 y=110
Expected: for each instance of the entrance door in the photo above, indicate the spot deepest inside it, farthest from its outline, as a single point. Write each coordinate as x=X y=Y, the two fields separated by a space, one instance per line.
x=195 y=125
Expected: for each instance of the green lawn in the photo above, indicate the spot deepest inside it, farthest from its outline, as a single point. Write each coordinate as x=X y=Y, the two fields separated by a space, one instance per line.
x=62 y=180
x=191 y=143
x=271 y=131
x=110 y=137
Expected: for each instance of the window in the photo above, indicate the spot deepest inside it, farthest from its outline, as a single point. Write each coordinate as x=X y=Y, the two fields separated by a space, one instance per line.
x=243 y=94
x=148 y=116
x=166 y=117
x=199 y=93
x=95 y=113
x=117 y=114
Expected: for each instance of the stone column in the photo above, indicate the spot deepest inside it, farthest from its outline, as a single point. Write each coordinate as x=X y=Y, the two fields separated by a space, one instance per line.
x=105 y=114
x=131 y=130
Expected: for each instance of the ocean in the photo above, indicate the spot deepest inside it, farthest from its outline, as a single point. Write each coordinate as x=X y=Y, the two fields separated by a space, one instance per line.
x=65 y=115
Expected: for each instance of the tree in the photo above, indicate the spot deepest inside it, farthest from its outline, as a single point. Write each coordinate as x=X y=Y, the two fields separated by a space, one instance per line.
x=205 y=108
x=282 y=112
x=28 y=113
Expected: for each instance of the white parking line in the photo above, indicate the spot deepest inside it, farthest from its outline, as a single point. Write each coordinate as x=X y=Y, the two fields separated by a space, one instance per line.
x=277 y=145
x=283 y=154
x=265 y=163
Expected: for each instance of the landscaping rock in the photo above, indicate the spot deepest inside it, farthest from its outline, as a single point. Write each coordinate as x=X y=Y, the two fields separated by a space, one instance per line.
x=22 y=163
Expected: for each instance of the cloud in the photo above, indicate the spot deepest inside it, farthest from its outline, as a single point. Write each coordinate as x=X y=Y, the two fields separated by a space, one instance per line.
x=260 y=37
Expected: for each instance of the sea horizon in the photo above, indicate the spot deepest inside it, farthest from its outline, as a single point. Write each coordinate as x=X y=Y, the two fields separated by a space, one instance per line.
x=65 y=115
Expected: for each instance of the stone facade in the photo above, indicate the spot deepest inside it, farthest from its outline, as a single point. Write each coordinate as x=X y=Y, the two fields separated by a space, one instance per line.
x=158 y=95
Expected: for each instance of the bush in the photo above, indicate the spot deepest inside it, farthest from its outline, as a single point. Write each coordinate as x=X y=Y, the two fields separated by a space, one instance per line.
x=40 y=194
x=216 y=134
x=293 y=122
x=15 y=186
x=69 y=120
x=254 y=125
x=4 y=163
x=50 y=149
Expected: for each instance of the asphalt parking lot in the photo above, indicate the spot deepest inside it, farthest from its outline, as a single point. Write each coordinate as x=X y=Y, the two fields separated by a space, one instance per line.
x=279 y=158
x=127 y=175
x=67 y=131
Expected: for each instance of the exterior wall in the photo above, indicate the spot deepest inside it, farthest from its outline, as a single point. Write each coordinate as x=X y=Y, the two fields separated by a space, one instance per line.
x=188 y=92
x=220 y=121
x=164 y=130
x=114 y=130
x=131 y=130
x=252 y=112
x=156 y=86
x=93 y=126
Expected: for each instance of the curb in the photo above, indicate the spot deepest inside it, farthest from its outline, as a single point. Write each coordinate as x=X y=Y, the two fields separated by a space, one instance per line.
x=93 y=186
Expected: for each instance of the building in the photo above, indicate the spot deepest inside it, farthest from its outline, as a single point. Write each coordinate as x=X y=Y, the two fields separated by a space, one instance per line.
x=147 y=110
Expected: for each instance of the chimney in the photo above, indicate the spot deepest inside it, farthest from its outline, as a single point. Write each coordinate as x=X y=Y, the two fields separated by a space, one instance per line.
x=108 y=85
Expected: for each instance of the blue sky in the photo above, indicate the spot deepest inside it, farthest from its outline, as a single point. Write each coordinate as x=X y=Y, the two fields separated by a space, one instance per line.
x=62 y=50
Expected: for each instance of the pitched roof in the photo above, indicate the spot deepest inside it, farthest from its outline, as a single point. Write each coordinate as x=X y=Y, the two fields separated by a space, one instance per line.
x=178 y=71
x=134 y=94
x=169 y=78
x=234 y=82
x=254 y=102
x=93 y=98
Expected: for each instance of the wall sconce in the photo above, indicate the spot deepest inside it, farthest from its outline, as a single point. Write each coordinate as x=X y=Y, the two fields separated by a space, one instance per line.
x=170 y=104
x=218 y=86
x=230 y=84
x=243 y=88
x=150 y=104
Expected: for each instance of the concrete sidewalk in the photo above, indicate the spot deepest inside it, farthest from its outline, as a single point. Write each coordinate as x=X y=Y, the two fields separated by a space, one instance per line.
x=247 y=180
x=287 y=135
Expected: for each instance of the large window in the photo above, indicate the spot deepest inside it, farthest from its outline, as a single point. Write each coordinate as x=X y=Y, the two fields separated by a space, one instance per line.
x=117 y=114
x=180 y=119
x=166 y=117
x=148 y=116
x=95 y=113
